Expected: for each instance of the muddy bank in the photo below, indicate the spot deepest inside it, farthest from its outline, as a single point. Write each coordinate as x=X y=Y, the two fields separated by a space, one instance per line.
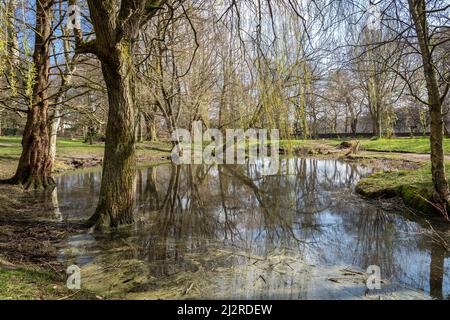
x=30 y=233
x=30 y=229
x=75 y=163
x=33 y=243
x=351 y=151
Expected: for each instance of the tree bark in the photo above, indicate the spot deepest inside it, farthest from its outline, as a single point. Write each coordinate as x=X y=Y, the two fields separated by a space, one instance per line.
x=116 y=33
x=440 y=185
x=35 y=166
x=150 y=123
x=116 y=203
x=375 y=126
x=54 y=125
x=354 y=126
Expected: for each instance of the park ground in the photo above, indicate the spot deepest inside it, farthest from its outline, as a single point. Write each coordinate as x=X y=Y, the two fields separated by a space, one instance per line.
x=74 y=154
x=28 y=259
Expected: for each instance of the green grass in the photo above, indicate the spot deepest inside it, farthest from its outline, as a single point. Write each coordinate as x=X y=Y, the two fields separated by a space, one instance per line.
x=403 y=145
x=307 y=143
x=10 y=150
x=27 y=284
x=413 y=186
x=411 y=145
x=12 y=146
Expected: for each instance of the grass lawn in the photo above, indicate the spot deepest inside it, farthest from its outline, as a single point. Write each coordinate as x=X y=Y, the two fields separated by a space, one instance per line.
x=311 y=142
x=412 y=145
x=409 y=145
x=11 y=148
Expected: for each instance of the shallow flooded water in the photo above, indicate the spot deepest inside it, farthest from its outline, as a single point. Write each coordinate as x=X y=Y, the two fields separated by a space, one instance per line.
x=230 y=232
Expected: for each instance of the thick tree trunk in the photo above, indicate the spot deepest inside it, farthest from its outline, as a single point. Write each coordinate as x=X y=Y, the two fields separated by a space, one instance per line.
x=440 y=185
x=35 y=166
x=116 y=38
x=117 y=193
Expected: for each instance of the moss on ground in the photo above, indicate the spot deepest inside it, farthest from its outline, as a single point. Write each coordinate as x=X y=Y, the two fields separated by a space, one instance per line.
x=413 y=186
x=29 y=284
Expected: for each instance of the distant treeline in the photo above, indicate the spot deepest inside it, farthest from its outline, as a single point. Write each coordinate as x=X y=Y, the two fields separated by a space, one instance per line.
x=363 y=135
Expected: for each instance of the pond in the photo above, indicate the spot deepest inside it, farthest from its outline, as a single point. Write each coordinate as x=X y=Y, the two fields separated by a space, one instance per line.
x=230 y=232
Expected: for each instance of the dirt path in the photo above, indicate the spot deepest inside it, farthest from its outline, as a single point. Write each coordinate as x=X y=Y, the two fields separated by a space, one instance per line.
x=404 y=155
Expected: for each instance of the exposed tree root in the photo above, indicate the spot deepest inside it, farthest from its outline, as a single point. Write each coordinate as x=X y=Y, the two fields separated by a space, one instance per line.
x=103 y=219
x=47 y=183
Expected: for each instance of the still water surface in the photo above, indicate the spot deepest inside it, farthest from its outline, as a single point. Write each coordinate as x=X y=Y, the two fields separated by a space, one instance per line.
x=230 y=232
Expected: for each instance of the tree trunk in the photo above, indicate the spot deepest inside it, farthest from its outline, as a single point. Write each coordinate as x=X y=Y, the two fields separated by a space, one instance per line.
x=151 y=132
x=150 y=124
x=139 y=128
x=35 y=166
x=440 y=185
x=116 y=203
x=354 y=126
x=375 y=132
x=116 y=34
x=54 y=125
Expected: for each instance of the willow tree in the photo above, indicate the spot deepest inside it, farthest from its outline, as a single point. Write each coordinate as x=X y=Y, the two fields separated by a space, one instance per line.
x=35 y=166
x=117 y=25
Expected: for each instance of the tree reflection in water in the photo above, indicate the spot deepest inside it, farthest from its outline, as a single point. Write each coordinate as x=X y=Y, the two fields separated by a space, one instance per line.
x=307 y=211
